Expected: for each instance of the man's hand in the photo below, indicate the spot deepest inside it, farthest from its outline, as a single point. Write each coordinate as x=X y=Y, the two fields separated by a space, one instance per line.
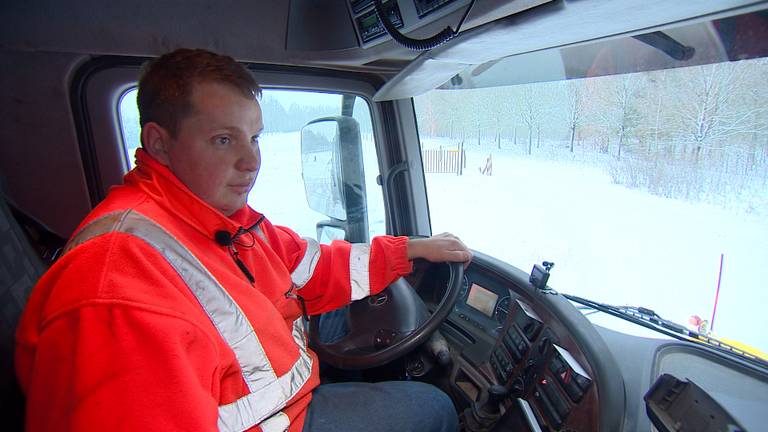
x=439 y=248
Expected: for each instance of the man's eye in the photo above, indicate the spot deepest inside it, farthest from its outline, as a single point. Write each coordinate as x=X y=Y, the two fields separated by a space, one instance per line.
x=255 y=139
x=222 y=140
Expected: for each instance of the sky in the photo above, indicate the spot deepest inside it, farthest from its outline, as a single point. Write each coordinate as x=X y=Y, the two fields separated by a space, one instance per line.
x=288 y=97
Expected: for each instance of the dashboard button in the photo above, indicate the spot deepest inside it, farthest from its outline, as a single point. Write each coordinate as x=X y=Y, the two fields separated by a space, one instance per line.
x=573 y=391
x=554 y=397
x=582 y=382
x=553 y=418
x=544 y=346
x=521 y=346
x=512 y=350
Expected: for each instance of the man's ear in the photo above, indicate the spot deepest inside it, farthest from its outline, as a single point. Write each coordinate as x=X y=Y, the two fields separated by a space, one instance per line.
x=155 y=140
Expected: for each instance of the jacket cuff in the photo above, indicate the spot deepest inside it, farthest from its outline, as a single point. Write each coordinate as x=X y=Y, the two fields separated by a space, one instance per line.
x=399 y=260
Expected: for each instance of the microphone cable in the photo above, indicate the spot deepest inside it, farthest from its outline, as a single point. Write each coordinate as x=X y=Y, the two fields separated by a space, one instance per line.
x=224 y=238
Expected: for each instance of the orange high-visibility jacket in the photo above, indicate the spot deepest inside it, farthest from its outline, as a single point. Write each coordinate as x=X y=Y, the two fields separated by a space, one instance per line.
x=147 y=323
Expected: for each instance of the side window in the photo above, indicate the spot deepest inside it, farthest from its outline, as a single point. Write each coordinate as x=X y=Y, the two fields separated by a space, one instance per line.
x=279 y=192
x=129 y=126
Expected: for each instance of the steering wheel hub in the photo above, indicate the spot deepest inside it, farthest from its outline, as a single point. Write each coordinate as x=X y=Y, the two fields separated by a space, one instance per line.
x=386 y=325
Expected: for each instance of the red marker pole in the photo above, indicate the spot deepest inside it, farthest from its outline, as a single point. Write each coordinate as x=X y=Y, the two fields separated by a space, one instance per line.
x=717 y=294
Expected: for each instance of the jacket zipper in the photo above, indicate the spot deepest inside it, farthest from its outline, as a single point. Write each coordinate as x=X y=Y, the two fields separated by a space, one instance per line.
x=241 y=264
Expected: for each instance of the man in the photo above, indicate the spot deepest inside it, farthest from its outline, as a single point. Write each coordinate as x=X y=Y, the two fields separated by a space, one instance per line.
x=178 y=307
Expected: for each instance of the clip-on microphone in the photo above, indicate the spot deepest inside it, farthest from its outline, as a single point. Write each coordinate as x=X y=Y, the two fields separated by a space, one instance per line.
x=224 y=238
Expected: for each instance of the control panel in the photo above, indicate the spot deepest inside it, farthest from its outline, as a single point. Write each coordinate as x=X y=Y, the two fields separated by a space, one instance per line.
x=514 y=344
x=405 y=15
x=530 y=362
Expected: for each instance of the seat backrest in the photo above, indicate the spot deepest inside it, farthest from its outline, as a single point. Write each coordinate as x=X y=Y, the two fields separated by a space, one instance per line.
x=20 y=268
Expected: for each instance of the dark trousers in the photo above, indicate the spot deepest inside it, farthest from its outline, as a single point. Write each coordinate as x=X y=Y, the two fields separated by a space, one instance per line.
x=400 y=406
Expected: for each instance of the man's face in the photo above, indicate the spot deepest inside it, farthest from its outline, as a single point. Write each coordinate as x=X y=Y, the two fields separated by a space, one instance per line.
x=216 y=149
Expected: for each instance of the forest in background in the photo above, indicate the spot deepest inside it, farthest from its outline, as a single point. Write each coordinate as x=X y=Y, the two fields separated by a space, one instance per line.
x=697 y=133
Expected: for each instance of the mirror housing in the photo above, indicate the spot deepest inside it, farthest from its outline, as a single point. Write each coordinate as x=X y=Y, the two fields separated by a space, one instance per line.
x=333 y=174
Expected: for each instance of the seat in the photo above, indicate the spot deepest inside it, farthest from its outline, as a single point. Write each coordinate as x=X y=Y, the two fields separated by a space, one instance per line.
x=20 y=268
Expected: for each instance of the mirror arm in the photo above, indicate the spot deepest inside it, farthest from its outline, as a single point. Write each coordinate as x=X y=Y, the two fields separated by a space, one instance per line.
x=332 y=223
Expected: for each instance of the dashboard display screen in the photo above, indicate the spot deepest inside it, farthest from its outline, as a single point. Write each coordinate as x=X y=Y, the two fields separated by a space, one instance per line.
x=482 y=299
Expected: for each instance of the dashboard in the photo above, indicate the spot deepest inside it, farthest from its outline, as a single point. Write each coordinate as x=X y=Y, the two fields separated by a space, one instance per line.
x=535 y=363
x=559 y=371
x=544 y=353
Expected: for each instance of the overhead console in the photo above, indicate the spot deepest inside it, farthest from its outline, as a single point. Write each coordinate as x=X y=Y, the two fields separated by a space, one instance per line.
x=350 y=32
x=405 y=15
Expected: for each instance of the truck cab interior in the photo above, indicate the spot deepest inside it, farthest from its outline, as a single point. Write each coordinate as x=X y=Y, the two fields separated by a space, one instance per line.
x=377 y=126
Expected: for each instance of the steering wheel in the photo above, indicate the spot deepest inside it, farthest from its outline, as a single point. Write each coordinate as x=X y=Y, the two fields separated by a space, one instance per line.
x=387 y=325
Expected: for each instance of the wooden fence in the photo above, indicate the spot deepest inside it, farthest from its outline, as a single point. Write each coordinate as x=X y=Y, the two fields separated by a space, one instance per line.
x=444 y=161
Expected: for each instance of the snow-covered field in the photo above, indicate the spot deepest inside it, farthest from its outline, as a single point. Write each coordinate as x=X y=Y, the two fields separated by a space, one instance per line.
x=609 y=243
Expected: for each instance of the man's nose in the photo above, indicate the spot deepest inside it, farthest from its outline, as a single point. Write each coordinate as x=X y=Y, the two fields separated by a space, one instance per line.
x=250 y=158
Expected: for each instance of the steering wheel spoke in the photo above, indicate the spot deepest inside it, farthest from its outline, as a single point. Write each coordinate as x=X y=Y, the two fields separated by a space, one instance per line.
x=387 y=325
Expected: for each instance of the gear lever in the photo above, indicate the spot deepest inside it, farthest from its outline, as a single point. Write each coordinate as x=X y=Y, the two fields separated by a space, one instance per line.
x=484 y=414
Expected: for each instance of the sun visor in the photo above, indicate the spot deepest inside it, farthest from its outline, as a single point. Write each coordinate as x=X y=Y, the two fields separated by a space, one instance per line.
x=533 y=32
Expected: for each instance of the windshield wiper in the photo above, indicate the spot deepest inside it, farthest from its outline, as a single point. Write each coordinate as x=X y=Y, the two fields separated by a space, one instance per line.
x=648 y=318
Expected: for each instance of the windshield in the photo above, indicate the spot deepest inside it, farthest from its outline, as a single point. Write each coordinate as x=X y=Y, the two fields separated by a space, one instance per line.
x=647 y=188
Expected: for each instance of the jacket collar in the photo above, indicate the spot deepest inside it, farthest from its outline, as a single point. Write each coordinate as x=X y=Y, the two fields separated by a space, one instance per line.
x=157 y=181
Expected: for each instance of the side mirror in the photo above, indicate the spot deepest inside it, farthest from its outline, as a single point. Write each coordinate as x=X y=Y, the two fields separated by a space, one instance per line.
x=334 y=181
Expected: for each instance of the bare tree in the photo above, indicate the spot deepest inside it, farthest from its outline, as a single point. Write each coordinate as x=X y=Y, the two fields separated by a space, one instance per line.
x=620 y=115
x=657 y=100
x=502 y=102
x=531 y=110
x=575 y=107
x=713 y=108
x=509 y=110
